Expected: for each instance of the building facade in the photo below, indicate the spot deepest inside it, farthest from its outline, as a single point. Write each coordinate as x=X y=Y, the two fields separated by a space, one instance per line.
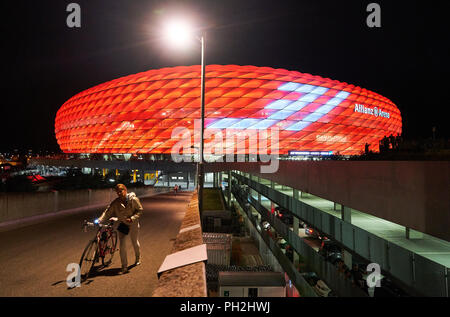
x=139 y=113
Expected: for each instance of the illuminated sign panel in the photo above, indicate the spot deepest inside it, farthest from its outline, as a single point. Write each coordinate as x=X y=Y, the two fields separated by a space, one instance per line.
x=372 y=111
x=306 y=153
x=138 y=113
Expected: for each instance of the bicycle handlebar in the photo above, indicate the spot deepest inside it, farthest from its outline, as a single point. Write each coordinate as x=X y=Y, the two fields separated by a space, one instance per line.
x=100 y=225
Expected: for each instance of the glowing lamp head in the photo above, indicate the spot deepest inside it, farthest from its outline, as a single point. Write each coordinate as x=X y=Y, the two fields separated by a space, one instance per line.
x=179 y=33
x=96 y=221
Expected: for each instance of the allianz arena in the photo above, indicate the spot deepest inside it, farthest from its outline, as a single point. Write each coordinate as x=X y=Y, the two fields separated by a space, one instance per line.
x=138 y=113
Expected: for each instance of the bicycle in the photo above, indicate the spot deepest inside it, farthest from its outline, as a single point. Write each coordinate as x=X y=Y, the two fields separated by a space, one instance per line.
x=103 y=247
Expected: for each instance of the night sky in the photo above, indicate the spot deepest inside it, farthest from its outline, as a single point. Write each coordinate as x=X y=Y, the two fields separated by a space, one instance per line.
x=45 y=62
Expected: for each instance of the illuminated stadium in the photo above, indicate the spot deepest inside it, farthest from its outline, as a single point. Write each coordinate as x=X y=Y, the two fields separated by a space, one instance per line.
x=137 y=113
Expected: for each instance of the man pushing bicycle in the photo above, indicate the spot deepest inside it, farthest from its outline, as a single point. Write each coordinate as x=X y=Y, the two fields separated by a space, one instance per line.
x=127 y=208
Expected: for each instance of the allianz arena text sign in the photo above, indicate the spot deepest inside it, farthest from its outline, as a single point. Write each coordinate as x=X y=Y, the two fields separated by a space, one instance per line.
x=372 y=111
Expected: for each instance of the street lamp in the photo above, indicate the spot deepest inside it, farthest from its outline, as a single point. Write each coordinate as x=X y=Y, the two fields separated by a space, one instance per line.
x=179 y=32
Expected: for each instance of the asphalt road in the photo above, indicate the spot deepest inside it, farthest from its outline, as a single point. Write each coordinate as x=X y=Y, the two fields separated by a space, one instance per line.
x=33 y=259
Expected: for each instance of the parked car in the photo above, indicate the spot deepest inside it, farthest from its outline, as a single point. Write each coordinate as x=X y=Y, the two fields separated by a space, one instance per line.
x=312 y=232
x=266 y=225
x=330 y=250
x=388 y=289
x=284 y=215
x=321 y=289
x=281 y=242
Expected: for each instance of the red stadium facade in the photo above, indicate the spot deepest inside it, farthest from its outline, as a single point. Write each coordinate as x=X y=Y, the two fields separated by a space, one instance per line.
x=138 y=113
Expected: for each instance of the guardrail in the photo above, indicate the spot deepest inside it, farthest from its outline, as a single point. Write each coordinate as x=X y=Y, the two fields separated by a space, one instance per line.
x=142 y=165
x=16 y=206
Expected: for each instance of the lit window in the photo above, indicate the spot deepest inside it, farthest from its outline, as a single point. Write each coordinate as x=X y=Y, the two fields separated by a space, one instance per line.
x=313 y=117
x=289 y=86
x=325 y=109
x=280 y=115
x=309 y=98
x=306 y=88
x=296 y=105
x=342 y=94
x=334 y=101
x=298 y=126
x=264 y=124
x=278 y=104
x=320 y=90
x=245 y=123
x=223 y=123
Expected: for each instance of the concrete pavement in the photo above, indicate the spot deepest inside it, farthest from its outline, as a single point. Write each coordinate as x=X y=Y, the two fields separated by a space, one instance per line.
x=33 y=259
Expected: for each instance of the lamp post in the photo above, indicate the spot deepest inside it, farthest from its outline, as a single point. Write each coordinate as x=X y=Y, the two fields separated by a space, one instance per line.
x=180 y=32
x=201 y=161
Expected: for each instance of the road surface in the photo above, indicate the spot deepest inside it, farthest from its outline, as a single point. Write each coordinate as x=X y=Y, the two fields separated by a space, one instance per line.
x=33 y=259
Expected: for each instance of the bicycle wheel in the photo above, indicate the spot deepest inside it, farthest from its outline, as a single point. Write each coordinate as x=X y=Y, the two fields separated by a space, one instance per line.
x=88 y=259
x=110 y=248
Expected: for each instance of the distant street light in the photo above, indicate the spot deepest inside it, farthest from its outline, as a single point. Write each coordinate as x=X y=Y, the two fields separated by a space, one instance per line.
x=180 y=33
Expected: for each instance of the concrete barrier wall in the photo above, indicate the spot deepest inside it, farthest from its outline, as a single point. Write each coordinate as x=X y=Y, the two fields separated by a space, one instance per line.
x=71 y=199
x=410 y=193
x=3 y=207
x=101 y=196
x=14 y=206
x=22 y=205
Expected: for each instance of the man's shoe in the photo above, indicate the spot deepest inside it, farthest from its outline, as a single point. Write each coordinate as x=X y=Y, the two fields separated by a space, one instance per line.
x=138 y=262
x=123 y=271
